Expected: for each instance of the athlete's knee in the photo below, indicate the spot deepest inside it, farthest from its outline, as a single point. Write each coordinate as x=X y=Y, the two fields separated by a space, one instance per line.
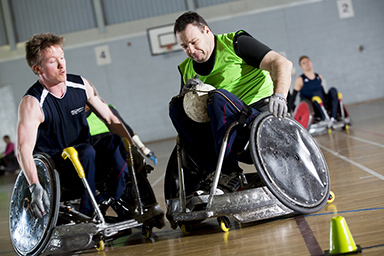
x=86 y=151
x=332 y=92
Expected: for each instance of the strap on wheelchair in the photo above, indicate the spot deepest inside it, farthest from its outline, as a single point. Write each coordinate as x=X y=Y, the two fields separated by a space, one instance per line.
x=244 y=114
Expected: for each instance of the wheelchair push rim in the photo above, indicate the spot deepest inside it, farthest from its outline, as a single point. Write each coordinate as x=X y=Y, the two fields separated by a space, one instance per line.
x=290 y=163
x=30 y=235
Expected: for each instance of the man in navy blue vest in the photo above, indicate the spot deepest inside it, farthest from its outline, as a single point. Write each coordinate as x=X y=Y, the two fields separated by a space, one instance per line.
x=52 y=117
x=310 y=84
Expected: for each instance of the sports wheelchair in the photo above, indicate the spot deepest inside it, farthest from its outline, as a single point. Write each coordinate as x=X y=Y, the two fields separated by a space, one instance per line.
x=310 y=117
x=64 y=229
x=291 y=177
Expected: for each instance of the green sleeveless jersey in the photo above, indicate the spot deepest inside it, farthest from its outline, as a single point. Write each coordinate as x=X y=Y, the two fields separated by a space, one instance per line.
x=96 y=126
x=232 y=73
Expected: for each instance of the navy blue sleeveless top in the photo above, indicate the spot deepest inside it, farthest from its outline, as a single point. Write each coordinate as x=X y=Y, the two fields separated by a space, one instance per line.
x=310 y=86
x=65 y=123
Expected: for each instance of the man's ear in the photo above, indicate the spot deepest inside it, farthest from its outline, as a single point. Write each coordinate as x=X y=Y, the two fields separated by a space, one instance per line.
x=206 y=29
x=36 y=69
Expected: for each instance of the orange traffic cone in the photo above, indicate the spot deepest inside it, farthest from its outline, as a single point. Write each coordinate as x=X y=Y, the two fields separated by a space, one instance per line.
x=341 y=240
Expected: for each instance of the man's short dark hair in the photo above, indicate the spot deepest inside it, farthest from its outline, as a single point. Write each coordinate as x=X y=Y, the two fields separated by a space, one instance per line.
x=303 y=57
x=189 y=18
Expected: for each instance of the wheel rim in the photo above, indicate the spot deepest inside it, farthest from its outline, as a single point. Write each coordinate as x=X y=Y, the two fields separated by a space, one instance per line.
x=28 y=234
x=290 y=163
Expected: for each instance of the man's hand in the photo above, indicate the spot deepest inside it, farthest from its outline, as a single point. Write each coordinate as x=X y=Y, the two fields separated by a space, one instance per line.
x=191 y=83
x=277 y=105
x=39 y=200
x=152 y=156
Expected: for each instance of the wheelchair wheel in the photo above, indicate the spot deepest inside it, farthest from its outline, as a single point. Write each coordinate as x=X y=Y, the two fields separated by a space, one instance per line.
x=304 y=113
x=290 y=163
x=30 y=235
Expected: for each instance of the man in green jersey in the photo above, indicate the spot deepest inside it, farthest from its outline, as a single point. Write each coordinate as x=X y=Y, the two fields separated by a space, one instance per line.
x=244 y=71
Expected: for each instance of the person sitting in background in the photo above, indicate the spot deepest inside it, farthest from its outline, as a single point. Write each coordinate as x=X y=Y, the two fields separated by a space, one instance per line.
x=309 y=84
x=8 y=157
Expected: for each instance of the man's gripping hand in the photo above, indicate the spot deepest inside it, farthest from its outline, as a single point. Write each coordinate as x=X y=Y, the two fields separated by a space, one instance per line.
x=39 y=200
x=277 y=105
x=191 y=83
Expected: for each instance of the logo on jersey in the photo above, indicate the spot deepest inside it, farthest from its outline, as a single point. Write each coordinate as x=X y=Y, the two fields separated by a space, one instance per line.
x=77 y=111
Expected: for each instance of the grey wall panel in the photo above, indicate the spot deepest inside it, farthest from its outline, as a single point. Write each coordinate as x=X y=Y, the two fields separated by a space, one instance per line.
x=55 y=16
x=3 y=33
x=205 y=3
x=118 y=11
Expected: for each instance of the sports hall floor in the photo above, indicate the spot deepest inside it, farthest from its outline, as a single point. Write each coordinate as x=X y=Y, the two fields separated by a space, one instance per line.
x=356 y=165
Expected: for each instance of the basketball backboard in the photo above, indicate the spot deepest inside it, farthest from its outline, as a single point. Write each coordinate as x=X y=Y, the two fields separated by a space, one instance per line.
x=162 y=40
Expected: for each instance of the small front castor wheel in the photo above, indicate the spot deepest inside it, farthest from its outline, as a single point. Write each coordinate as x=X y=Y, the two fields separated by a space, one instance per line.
x=346 y=127
x=224 y=223
x=331 y=197
x=146 y=232
x=100 y=245
x=185 y=228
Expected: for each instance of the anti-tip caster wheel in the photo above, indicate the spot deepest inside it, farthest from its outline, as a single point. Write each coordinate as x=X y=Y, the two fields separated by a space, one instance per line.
x=331 y=197
x=346 y=127
x=146 y=232
x=224 y=223
x=100 y=245
x=185 y=228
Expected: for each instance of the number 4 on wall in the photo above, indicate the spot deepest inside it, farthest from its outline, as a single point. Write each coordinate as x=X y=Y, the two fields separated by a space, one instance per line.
x=103 y=57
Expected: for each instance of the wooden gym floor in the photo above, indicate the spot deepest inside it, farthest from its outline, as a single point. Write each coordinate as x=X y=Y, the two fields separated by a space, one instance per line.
x=356 y=165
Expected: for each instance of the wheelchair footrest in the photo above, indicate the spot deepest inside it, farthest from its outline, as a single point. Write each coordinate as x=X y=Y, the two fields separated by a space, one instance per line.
x=79 y=237
x=66 y=238
x=244 y=206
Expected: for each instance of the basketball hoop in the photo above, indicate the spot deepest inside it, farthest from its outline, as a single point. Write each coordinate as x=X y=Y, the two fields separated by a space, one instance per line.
x=168 y=49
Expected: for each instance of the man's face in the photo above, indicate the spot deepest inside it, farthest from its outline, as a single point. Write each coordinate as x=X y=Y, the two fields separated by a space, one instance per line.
x=306 y=64
x=198 y=44
x=52 y=69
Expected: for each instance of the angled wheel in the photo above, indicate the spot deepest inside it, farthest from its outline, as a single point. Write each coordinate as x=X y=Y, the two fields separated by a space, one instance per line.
x=304 y=113
x=29 y=235
x=290 y=163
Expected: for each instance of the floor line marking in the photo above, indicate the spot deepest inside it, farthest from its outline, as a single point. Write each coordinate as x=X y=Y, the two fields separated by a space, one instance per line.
x=366 y=141
x=353 y=162
x=357 y=210
x=158 y=180
x=310 y=240
x=368 y=132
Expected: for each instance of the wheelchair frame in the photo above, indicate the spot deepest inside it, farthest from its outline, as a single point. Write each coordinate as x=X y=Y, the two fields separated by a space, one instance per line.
x=320 y=127
x=81 y=232
x=251 y=204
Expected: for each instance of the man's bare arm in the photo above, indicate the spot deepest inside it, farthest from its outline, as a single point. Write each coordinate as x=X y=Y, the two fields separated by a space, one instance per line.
x=280 y=71
x=30 y=117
